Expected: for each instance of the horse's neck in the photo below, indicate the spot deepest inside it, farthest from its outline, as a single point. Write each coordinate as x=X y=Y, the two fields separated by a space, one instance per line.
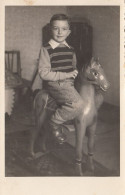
x=98 y=99
x=88 y=91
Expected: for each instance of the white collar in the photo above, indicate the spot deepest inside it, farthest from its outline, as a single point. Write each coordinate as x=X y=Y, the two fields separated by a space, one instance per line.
x=55 y=44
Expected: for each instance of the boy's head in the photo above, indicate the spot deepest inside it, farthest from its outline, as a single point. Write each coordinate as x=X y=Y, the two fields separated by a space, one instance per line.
x=60 y=27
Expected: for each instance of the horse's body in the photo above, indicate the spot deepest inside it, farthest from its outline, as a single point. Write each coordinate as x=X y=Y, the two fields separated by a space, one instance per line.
x=85 y=123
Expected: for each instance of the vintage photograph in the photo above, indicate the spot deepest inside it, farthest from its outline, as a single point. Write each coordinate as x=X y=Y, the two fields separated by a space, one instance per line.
x=62 y=91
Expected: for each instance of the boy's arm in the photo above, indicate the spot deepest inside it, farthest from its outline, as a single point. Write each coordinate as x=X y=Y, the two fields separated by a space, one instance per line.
x=44 y=68
x=74 y=62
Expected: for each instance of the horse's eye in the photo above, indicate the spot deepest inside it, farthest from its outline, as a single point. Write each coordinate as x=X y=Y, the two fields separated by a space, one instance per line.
x=95 y=74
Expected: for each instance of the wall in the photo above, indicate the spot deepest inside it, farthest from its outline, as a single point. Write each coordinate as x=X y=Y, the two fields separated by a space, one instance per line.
x=23 y=31
x=105 y=22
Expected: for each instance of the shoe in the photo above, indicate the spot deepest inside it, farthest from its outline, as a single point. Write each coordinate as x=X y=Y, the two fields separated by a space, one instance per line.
x=57 y=133
x=59 y=136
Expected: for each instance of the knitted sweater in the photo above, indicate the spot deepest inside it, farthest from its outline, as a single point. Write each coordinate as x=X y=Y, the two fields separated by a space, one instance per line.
x=54 y=64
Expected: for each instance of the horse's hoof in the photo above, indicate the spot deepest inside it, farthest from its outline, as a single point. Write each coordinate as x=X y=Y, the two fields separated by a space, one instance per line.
x=88 y=173
x=32 y=154
x=77 y=173
x=37 y=155
x=78 y=170
x=90 y=167
x=44 y=148
x=90 y=164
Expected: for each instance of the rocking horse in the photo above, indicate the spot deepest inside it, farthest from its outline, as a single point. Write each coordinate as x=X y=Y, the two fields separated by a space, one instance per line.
x=90 y=83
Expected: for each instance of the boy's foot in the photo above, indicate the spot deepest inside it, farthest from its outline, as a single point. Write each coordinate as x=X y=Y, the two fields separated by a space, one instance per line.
x=57 y=133
x=59 y=136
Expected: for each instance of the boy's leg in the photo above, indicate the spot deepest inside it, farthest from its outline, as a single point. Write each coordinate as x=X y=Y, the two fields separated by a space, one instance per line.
x=63 y=114
x=71 y=105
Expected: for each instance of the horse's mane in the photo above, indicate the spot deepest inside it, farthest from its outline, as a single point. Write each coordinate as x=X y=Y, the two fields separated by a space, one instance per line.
x=82 y=69
x=79 y=78
x=87 y=64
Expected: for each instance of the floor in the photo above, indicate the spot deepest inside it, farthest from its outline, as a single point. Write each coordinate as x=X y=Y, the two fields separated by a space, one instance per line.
x=107 y=139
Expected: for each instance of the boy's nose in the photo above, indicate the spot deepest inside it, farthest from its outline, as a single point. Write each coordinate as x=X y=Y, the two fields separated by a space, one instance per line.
x=59 y=31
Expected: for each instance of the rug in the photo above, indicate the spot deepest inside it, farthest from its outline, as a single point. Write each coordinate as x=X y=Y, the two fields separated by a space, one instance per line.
x=57 y=161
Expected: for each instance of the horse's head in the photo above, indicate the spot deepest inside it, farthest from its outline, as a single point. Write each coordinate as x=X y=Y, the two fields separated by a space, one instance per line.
x=94 y=74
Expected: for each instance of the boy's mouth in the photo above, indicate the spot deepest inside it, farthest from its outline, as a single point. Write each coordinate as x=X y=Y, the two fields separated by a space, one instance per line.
x=59 y=36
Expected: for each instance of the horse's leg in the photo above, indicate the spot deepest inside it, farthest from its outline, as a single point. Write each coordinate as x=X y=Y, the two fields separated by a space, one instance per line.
x=80 y=133
x=91 y=140
x=40 y=119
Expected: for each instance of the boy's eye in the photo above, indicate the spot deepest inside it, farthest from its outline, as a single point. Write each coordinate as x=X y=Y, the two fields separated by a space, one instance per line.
x=54 y=28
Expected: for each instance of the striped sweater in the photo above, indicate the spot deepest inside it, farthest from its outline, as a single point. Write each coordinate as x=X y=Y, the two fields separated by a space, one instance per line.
x=61 y=58
x=54 y=64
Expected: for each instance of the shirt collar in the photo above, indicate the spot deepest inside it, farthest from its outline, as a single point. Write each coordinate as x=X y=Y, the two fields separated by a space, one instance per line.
x=55 y=44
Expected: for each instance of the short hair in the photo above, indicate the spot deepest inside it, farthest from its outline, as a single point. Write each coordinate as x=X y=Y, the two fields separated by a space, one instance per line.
x=60 y=17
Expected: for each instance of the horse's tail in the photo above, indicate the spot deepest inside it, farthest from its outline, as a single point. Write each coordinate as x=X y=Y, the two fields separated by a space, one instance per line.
x=35 y=93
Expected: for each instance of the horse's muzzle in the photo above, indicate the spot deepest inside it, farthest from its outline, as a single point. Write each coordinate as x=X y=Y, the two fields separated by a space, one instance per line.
x=105 y=87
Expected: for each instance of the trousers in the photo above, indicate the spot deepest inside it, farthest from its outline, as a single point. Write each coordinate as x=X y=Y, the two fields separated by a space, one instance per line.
x=69 y=101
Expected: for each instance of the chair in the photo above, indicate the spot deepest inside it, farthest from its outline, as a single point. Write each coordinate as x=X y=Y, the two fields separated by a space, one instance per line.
x=13 y=68
x=16 y=87
x=11 y=58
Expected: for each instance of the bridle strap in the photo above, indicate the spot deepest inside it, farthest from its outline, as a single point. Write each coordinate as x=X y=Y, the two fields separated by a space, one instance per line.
x=91 y=82
x=87 y=81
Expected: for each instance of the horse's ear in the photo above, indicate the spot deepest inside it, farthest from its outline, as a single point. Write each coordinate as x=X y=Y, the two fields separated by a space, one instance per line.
x=97 y=60
x=92 y=60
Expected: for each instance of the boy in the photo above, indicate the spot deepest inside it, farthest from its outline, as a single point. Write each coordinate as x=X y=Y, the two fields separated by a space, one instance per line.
x=57 y=68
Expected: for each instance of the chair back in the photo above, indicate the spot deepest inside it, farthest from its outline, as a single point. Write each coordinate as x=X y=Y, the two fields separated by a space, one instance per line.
x=12 y=62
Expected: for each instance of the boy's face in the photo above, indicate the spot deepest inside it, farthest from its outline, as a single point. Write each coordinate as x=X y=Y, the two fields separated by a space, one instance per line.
x=60 y=30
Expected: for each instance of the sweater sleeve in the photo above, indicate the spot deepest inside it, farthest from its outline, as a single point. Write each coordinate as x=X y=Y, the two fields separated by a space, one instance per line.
x=44 y=68
x=74 y=62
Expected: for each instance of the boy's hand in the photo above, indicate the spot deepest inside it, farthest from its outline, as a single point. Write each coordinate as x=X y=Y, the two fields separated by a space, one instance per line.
x=72 y=74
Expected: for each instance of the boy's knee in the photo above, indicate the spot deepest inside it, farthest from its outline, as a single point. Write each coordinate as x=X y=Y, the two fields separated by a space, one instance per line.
x=79 y=105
